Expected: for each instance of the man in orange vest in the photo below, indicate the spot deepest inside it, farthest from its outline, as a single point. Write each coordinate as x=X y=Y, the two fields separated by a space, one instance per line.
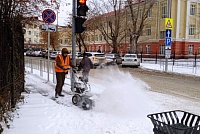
x=63 y=63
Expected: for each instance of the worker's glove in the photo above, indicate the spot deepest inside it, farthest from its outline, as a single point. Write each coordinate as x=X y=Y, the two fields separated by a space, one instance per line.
x=74 y=69
x=79 y=68
x=64 y=68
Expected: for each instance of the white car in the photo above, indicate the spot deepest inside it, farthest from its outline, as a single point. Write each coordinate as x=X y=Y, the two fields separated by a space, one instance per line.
x=54 y=54
x=130 y=60
x=113 y=58
x=96 y=58
x=37 y=53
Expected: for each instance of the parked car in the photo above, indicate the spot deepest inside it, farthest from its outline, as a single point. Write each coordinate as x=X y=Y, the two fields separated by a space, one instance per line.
x=29 y=53
x=77 y=54
x=113 y=58
x=54 y=54
x=130 y=60
x=37 y=53
x=46 y=54
x=43 y=53
x=96 y=58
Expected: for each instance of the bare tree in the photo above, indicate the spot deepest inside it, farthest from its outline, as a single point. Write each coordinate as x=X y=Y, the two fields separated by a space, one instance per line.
x=80 y=37
x=54 y=36
x=108 y=18
x=139 y=11
x=13 y=14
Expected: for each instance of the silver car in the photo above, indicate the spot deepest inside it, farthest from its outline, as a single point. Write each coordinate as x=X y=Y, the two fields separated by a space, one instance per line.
x=96 y=58
x=130 y=60
x=113 y=58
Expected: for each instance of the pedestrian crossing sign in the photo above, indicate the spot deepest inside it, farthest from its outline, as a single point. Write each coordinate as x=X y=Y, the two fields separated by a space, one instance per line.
x=168 y=23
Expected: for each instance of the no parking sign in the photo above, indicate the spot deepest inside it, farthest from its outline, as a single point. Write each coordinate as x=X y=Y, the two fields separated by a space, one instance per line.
x=48 y=16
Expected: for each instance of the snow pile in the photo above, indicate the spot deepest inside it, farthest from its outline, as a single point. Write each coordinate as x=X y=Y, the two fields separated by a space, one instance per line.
x=123 y=95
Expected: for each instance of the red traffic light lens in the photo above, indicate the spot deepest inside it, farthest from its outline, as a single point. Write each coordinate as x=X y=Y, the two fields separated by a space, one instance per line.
x=82 y=2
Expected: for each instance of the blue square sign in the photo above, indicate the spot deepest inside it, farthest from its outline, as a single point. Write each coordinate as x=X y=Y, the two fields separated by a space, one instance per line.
x=168 y=33
x=168 y=41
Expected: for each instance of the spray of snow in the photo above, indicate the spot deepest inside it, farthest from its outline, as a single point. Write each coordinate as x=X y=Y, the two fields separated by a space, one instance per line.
x=123 y=95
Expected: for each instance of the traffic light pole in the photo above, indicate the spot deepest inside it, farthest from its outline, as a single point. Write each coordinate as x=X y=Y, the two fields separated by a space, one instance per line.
x=73 y=42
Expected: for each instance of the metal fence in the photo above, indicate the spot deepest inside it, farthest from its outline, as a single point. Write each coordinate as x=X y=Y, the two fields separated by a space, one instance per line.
x=40 y=67
x=173 y=55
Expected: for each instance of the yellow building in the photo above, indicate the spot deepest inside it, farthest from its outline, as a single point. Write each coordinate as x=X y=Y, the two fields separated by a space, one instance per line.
x=32 y=38
x=185 y=35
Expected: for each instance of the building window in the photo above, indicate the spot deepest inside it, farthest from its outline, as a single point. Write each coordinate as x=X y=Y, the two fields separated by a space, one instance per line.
x=29 y=32
x=149 y=14
x=35 y=33
x=92 y=37
x=29 y=26
x=162 y=49
x=191 y=30
x=164 y=10
x=192 y=9
x=100 y=37
x=65 y=41
x=148 y=28
x=140 y=49
x=190 y=49
x=35 y=40
x=96 y=36
x=88 y=38
x=35 y=26
x=147 y=49
x=162 y=34
x=29 y=39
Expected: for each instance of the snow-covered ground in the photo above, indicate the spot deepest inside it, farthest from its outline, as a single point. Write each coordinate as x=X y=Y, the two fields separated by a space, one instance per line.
x=122 y=105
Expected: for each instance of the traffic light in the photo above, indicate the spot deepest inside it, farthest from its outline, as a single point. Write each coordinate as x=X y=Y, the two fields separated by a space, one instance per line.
x=82 y=8
x=79 y=28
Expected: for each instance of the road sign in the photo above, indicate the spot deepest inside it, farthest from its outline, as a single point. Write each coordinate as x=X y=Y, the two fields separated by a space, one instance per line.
x=167 y=53
x=168 y=41
x=48 y=16
x=168 y=33
x=168 y=23
x=49 y=28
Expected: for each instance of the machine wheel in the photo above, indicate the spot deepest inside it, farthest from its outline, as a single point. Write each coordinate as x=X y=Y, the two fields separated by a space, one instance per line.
x=76 y=99
x=87 y=104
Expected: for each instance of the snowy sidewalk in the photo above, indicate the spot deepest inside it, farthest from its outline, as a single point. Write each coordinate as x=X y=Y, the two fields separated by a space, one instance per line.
x=122 y=107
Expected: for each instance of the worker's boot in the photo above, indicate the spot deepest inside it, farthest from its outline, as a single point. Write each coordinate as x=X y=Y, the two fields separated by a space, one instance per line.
x=56 y=95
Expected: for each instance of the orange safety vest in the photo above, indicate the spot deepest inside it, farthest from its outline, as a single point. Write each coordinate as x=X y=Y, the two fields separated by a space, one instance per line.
x=65 y=63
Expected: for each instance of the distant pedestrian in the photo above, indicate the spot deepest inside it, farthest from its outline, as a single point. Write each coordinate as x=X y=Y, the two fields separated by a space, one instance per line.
x=99 y=51
x=86 y=64
x=63 y=63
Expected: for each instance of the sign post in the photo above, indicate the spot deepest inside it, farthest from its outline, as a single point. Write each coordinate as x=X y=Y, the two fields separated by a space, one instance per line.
x=48 y=17
x=168 y=39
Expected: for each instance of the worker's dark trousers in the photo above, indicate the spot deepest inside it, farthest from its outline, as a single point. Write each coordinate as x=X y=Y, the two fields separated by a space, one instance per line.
x=60 y=77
